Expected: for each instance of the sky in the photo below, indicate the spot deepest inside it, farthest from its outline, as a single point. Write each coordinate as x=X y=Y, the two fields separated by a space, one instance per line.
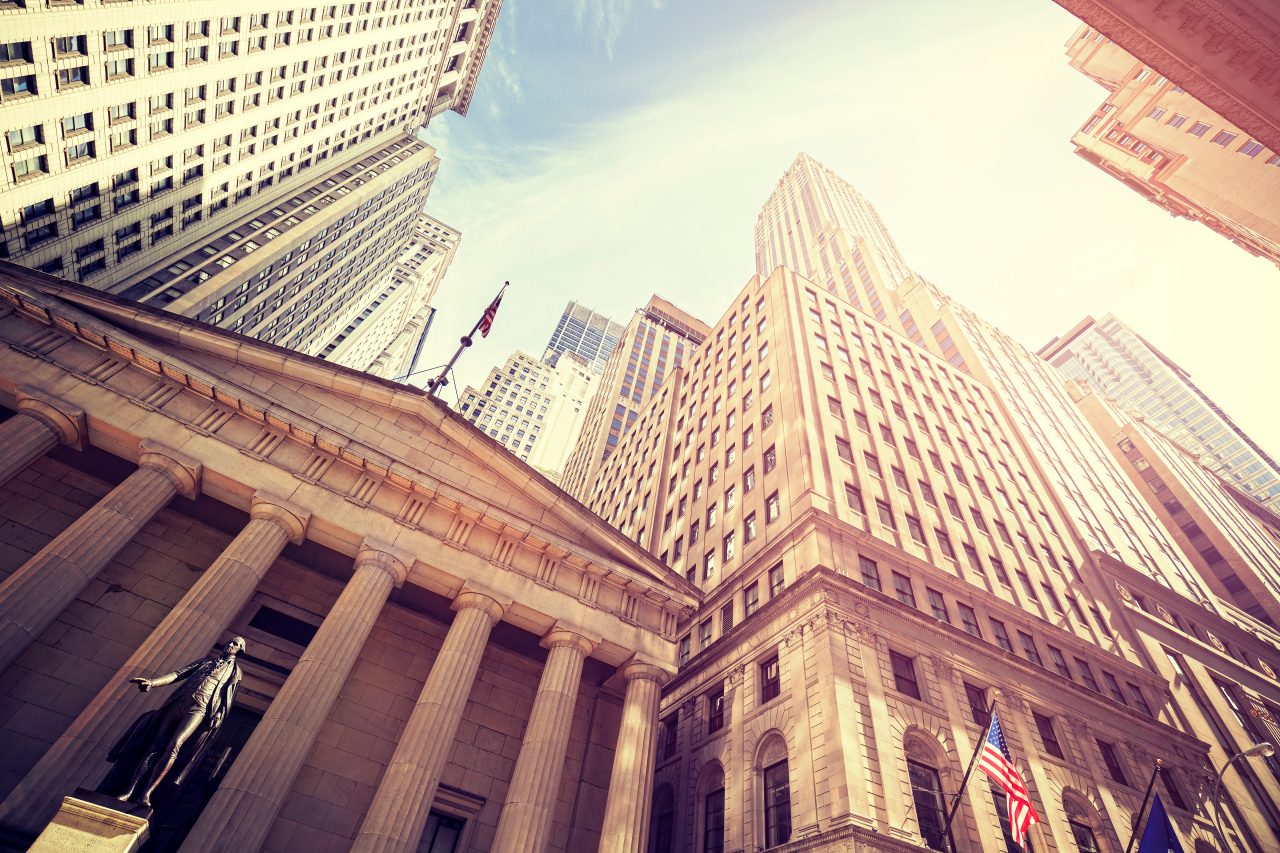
x=616 y=148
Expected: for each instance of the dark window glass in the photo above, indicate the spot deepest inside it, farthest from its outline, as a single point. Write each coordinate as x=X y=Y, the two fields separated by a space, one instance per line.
x=904 y=674
x=902 y=589
x=1001 y=634
x=671 y=734
x=1044 y=725
x=938 y=605
x=977 y=697
x=770 y=680
x=777 y=805
x=969 y=618
x=713 y=822
x=870 y=572
x=1083 y=835
x=715 y=710
x=1112 y=761
x=926 y=791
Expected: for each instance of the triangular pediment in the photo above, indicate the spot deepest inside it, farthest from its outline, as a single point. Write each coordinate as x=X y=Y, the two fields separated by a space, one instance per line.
x=391 y=430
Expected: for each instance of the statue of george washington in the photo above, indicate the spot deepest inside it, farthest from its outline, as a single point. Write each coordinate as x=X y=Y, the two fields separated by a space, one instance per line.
x=173 y=737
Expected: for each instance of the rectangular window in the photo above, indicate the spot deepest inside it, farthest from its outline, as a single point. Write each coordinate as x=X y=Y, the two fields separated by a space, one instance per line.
x=1223 y=138
x=715 y=709
x=904 y=674
x=1086 y=675
x=870 y=572
x=1029 y=648
x=670 y=735
x=1139 y=701
x=1112 y=761
x=1198 y=129
x=1113 y=687
x=750 y=600
x=1001 y=634
x=938 y=605
x=969 y=619
x=770 y=679
x=1059 y=662
x=726 y=617
x=1044 y=725
x=853 y=496
x=977 y=697
x=886 y=514
x=902 y=589
x=913 y=526
x=772 y=508
x=777 y=805
x=684 y=649
x=777 y=580
x=770 y=459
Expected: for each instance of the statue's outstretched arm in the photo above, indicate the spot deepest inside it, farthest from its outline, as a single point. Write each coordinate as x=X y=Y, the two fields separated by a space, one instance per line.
x=145 y=684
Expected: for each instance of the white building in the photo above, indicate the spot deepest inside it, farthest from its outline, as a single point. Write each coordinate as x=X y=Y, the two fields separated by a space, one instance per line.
x=534 y=408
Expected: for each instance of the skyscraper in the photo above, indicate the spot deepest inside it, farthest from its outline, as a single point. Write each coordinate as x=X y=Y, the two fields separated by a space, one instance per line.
x=386 y=336
x=658 y=339
x=889 y=524
x=533 y=408
x=1124 y=366
x=1160 y=141
x=135 y=140
x=591 y=335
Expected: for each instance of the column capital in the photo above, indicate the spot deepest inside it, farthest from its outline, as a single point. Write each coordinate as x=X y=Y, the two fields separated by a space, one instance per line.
x=374 y=552
x=63 y=418
x=641 y=670
x=471 y=599
x=292 y=518
x=182 y=469
x=561 y=636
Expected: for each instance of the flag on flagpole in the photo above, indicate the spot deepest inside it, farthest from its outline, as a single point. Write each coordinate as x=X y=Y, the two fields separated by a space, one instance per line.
x=486 y=320
x=1159 y=836
x=997 y=764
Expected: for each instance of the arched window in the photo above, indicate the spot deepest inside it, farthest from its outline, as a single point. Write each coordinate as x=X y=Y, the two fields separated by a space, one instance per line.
x=931 y=804
x=662 y=832
x=709 y=825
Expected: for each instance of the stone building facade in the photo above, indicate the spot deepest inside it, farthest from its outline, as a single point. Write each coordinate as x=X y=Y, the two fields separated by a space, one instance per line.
x=445 y=652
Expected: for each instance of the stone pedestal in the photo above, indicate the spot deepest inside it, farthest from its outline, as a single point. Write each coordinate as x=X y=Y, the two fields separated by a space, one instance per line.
x=89 y=822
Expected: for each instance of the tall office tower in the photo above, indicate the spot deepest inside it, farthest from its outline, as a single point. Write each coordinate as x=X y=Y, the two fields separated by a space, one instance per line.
x=817 y=224
x=297 y=272
x=1160 y=141
x=591 y=335
x=387 y=335
x=659 y=338
x=888 y=524
x=533 y=408
x=131 y=137
x=1123 y=366
x=1232 y=544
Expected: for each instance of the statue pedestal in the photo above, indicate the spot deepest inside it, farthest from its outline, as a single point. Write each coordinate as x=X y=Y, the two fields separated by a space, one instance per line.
x=89 y=822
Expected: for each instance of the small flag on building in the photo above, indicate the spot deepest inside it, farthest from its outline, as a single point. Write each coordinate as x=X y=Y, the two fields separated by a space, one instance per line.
x=1159 y=836
x=997 y=764
x=486 y=320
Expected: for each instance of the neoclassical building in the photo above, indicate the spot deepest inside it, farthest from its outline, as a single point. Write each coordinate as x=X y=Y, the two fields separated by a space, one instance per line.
x=445 y=652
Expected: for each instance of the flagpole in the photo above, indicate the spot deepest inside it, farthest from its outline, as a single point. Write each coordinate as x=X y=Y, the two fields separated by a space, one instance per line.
x=443 y=379
x=1137 y=821
x=955 y=801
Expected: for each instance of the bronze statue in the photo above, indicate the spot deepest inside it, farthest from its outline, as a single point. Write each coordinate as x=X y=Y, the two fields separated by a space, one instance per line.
x=173 y=737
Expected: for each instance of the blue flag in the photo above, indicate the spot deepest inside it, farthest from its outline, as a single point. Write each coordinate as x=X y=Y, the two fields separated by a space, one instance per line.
x=1159 y=836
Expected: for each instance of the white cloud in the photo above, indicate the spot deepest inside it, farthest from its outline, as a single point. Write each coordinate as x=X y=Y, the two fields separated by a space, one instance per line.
x=602 y=20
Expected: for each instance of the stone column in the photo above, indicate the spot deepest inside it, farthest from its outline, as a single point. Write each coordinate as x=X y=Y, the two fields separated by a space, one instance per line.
x=398 y=814
x=41 y=424
x=192 y=627
x=535 y=784
x=33 y=596
x=626 y=814
x=241 y=812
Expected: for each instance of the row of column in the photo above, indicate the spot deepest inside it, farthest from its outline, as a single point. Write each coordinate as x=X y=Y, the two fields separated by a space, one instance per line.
x=242 y=810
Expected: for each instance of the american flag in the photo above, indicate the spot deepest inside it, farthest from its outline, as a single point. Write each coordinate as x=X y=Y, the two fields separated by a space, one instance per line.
x=486 y=320
x=997 y=764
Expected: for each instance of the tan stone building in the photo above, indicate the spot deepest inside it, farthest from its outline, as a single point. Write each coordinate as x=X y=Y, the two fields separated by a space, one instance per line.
x=446 y=653
x=1159 y=140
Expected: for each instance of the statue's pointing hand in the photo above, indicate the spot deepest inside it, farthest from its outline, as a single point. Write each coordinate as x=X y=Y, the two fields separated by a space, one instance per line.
x=144 y=684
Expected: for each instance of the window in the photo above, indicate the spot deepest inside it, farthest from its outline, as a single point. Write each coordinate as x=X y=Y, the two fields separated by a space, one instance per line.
x=1252 y=148
x=1198 y=129
x=749 y=479
x=904 y=674
x=1001 y=634
x=685 y=649
x=978 y=707
x=77 y=76
x=1223 y=138
x=772 y=508
x=1059 y=662
x=1139 y=701
x=15 y=51
x=938 y=605
x=843 y=450
x=969 y=619
x=770 y=459
x=885 y=512
x=24 y=136
x=1112 y=761
x=704 y=633
x=750 y=600
x=776 y=581
x=1113 y=687
x=13 y=87
x=715 y=709
x=902 y=589
x=853 y=495
x=726 y=617
x=713 y=822
x=1086 y=675
x=873 y=464
x=931 y=809
x=766 y=417
x=770 y=679
x=749 y=528
x=870 y=572
x=1029 y=648
x=1083 y=836
x=1044 y=725
x=777 y=805
x=670 y=736
x=913 y=526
